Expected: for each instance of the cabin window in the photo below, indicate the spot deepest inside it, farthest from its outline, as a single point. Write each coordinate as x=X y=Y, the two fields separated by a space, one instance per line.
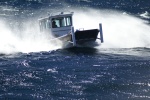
x=68 y=21
x=61 y=22
x=44 y=24
x=48 y=24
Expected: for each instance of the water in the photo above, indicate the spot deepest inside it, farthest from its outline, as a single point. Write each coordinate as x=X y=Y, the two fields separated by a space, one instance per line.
x=31 y=68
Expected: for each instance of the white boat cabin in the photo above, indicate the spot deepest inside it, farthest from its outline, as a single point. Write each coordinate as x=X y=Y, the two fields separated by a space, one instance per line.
x=58 y=25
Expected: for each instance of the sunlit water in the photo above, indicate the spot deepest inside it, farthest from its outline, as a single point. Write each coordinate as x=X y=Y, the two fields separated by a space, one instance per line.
x=33 y=68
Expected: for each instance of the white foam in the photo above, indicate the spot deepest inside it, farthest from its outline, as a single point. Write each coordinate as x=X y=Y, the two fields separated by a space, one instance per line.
x=145 y=15
x=29 y=39
x=120 y=30
x=52 y=70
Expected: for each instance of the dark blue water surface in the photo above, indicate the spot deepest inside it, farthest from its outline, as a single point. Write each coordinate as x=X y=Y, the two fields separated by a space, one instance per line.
x=76 y=73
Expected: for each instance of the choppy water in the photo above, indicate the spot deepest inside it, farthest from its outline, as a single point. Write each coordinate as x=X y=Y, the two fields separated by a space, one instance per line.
x=31 y=68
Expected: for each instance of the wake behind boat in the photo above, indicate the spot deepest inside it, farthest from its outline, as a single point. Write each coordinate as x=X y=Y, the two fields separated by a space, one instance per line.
x=61 y=27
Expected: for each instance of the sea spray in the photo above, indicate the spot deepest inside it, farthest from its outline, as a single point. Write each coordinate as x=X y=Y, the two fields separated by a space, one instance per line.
x=25 y=39
x=120 y=30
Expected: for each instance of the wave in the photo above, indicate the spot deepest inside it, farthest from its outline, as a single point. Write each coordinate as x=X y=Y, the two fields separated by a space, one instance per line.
x=25 y=38
x=145 y=15
x=121 y=30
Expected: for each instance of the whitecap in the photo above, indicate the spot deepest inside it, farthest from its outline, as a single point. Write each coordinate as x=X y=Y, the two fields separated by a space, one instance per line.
x=145 y=15
x=53 y=70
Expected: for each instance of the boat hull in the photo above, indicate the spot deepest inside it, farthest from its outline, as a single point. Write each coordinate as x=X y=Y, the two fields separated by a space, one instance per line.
x=83 y=38
x=86 y=36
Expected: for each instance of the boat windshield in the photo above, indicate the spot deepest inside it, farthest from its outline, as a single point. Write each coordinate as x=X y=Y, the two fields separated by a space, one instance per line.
x=61 y=22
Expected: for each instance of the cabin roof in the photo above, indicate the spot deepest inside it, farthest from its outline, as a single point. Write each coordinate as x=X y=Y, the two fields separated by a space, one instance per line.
x=62 y=14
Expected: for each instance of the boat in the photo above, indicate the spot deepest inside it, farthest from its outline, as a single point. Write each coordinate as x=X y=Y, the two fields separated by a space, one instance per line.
x=60 y=26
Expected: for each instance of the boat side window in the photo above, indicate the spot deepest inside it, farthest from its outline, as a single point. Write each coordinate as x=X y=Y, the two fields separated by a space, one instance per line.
x=48 y=23
x=44 y=24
